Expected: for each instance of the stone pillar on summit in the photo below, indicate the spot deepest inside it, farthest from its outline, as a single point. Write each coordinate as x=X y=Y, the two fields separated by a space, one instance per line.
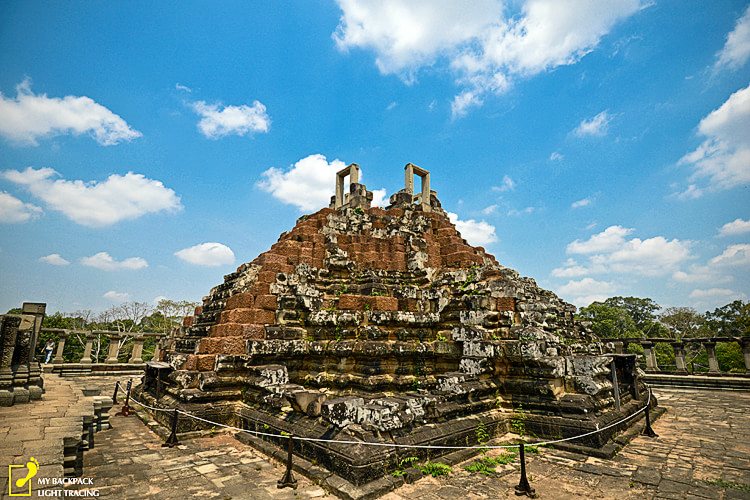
x=8 y=331
x=679 y=357
x=86 y=359
x=650 y=354
x=113 y=349
x=745 y=342
x=713 y=363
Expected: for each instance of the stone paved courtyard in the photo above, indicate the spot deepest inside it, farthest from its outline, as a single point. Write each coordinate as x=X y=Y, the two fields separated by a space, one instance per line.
x=703 y=451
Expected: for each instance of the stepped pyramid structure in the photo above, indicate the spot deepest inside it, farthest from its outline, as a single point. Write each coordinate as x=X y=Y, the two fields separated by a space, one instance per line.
x=384 y=325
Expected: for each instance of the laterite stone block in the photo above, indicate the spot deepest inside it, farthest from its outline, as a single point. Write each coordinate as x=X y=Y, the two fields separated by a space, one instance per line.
x=266 y=302
x=239 y=300
x=205 y=362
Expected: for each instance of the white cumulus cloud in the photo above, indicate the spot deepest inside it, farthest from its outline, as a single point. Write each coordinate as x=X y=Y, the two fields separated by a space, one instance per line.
x=97 y=204
x=54 y=259
x=207 y=254
x=702 y=274
x=308 y=184
x=737 y=226
x=736 y=50
x=585 y=291
x=607 y=241
x=13 y=210
x=379 y=198
x=734 y=255
x=595 y=126
x=484 y=44
x=723 y=157
x=570 y=269
x=711 y=292
x=237 y=120
x=610 y=251
x=476 y=233
x=31 y=116
x=105 y=262
x=116 y=296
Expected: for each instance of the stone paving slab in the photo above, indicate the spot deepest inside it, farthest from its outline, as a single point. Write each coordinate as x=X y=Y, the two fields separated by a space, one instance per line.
x=702 y=452
x=36 y=429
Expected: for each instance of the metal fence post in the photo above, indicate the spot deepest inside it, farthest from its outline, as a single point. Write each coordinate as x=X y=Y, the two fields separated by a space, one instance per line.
x=524 y=488
x=126 y=411
x=172 y=439
x=288 y=480
x=647 y=430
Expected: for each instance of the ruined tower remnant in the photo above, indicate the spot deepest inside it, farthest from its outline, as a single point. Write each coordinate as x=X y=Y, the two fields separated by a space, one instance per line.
x=384 y=325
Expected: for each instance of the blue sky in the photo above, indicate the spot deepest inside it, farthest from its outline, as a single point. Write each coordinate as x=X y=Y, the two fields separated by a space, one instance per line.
x=601 y=148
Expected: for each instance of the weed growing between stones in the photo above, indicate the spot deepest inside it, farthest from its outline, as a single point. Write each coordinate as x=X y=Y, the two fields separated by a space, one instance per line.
x=518 y=421
x=728 y=484
x=404 y=463
x=435 y=469
x=482 y=437
x=486 y=465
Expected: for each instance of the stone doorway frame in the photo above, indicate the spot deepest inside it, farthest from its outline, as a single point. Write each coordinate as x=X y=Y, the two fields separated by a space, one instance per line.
x=353 y=172
x=411 y=170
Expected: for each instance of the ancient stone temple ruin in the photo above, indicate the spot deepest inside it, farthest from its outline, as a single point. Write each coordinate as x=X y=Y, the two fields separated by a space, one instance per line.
x=384 y=325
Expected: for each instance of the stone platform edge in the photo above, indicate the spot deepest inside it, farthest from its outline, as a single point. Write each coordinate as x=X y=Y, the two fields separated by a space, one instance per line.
x=379 y=487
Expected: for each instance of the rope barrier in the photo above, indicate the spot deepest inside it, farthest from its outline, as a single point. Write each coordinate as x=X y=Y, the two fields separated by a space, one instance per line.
x=396 y=445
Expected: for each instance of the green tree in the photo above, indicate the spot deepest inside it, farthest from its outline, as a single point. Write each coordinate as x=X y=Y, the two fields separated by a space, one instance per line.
x=731 y=320
x=681 y=321
x=642 y=311
x=609 y=322
x=171 y=313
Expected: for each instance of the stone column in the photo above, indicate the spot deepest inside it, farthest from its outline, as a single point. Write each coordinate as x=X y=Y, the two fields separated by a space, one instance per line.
x=713 y=363
x=679 y=357
x=8 y=331
x=21 y=356
x=157 y=351
x=650 y=353
x=86 y=359
x=135 y=357
x=745 y=343
x=113 y=348
x=618 y=347
x=61 y=336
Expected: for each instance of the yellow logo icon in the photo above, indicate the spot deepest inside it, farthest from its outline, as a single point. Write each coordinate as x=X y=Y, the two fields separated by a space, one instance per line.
x=19 y=486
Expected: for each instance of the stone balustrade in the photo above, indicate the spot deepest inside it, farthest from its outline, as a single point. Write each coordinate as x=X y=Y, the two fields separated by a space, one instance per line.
x=88 y=365
x=707 y=344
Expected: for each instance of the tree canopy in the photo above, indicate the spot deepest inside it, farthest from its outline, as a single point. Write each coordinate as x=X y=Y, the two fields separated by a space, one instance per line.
x=619 y=317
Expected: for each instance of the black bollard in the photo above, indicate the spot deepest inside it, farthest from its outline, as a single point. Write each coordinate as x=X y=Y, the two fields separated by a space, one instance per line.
x=288 y=479
x=647 y=430
x=126 y=412
x=172 y=439
x=524 y=488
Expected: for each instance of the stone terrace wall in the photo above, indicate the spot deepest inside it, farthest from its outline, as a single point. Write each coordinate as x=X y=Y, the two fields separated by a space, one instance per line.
x=374 y=299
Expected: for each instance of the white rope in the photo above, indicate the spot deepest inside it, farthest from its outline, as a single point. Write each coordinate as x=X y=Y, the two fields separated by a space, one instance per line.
x=143 y=404
x=396 y=445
